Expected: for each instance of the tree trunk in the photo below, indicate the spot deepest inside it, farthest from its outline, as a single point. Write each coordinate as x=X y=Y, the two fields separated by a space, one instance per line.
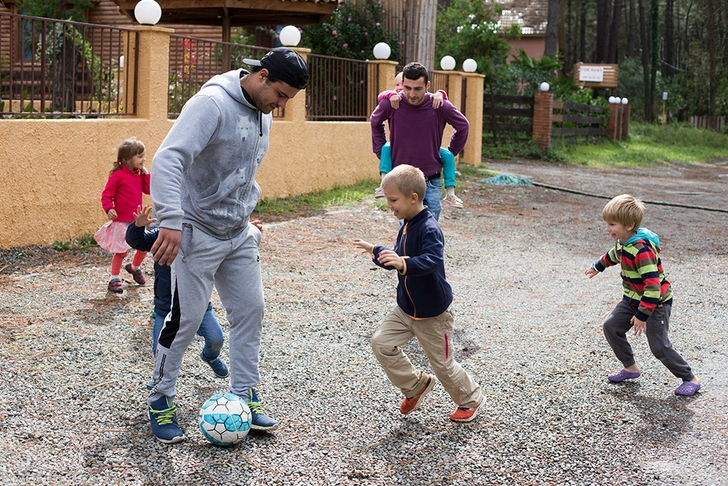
x=655 y=49
x=582 y=31
x=669 y=57
x=632 y=24
x=712 y=39
x=649 y=108
x=427 y=23
x=552 y=28
x=614 y=32
x=603 y=7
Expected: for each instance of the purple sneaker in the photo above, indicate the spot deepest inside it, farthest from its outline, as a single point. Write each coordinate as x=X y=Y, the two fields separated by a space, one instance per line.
x=687 y=389
x=622 y=375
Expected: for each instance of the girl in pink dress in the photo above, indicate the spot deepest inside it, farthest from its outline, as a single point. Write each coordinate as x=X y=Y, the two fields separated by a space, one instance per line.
x=123 y=193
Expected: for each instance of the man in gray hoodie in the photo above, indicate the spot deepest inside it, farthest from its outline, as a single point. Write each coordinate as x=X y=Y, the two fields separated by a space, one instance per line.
x=204 y=190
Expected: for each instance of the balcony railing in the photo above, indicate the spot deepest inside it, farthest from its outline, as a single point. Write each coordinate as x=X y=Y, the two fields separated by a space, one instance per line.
x=65 y=69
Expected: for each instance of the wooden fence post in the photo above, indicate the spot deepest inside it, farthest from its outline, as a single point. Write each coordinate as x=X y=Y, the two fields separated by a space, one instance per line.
x=381 y=77
x=543 y=113
x=625 y=121
x=614 y=130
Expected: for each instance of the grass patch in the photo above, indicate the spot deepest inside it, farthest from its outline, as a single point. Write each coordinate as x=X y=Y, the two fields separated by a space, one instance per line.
x=653 y=144
x=316 y=201
x=81 y=243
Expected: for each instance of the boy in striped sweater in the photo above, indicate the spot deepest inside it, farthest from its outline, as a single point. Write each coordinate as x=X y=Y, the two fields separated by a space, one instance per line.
x=647 y=299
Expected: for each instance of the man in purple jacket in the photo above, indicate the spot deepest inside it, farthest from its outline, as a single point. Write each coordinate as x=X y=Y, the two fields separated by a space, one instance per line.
x=415 y=131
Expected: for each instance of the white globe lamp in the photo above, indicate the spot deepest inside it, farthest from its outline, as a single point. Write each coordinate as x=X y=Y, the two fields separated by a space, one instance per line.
x=612 y=100
x=447 y=63
x=382 y=51
x=290 y=36
x=469 y=65
x=148 y=12
x=625 y=101
x=544 y=86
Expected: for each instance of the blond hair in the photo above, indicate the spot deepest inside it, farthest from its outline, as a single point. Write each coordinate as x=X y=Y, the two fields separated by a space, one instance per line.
x=407 y=180
x=624 y=209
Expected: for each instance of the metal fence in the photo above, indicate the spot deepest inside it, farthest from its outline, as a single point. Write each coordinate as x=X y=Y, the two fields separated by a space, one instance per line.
x=193 y=61
x=56 y=68
x=337 y=89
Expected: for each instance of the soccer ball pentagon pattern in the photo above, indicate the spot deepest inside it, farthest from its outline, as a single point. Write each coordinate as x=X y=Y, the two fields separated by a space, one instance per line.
x=225 y=419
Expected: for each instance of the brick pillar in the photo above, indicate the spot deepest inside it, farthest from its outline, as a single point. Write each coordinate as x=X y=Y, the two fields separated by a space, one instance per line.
x=614 y=129
x=543 y=114
x=625 y=121
x=473 y=111
x=153 y=72
x=380 y=78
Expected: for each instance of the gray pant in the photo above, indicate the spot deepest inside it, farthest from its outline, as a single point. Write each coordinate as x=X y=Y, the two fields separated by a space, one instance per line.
x=233 y=266
x=658 y=325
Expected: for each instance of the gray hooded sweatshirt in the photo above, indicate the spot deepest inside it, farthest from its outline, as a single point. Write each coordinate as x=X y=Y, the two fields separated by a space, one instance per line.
x=204 y=171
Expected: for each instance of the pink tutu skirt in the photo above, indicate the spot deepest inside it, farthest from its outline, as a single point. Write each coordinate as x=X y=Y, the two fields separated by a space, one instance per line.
x=112 y=237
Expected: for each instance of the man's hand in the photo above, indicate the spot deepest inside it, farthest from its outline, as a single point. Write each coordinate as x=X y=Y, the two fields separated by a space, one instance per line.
x=166 y=247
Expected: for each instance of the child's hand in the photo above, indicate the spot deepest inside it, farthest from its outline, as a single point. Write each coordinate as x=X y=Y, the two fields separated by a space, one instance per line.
x=257 y=224
x=590 y=272
x=388 y=258
x=364 y=245
x=112 y=214
x=394 y=101
x=640 y=327
x=437 y=100
x=142 y=216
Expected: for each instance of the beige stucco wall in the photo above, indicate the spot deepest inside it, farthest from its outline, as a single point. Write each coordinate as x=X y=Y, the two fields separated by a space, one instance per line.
x=55 y=170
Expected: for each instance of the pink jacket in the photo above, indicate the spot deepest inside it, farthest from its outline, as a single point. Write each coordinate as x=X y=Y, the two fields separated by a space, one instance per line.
x=123 y=192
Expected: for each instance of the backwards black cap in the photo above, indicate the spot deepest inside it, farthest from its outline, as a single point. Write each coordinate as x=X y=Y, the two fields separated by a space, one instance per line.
x=285 y=65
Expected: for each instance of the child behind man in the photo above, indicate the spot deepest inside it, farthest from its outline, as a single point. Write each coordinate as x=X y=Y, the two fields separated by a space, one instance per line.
x=423 y=299
x=647 y=300
x=137 y=237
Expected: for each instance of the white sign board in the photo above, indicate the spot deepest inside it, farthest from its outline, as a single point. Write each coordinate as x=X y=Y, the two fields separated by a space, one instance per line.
x=593 y=74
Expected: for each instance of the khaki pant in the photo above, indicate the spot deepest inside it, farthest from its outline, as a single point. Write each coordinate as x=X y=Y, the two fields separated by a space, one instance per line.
x=434 y=335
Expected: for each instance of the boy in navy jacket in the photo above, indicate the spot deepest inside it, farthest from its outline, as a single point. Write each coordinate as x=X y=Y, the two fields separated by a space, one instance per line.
x=423 y=299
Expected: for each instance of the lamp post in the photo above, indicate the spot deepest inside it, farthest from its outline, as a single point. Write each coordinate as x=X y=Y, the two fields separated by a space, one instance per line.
x=469 y=65
x=290 y=36
x=148 y=12
x=544 y=87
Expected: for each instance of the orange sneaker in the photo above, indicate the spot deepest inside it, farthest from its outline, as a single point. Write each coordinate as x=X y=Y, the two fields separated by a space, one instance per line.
x=409 y=404
x=462 y=414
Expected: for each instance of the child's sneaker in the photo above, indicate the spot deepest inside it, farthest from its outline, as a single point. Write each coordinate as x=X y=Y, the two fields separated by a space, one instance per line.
x=412 y=403
x=137 y=274
x=379 y=193
x=260 y=420
x=115 y=286
x=163 y=419
x=218 y=367
x=463 y=414
x=453 y=201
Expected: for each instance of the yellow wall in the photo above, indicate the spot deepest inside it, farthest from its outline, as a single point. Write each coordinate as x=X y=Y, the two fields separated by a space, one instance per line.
x=54 y=170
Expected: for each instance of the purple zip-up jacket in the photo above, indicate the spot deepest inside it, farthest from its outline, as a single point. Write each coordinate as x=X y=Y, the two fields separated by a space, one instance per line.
x=415 y=132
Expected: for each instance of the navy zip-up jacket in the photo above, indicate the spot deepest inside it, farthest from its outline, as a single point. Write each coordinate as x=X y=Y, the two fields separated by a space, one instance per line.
x=423 y=291
x=140 y=239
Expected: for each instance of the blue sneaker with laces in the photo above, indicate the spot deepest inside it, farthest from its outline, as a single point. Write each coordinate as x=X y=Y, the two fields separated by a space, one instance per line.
x=260 y=420
x=163 y=419
x=218 y=367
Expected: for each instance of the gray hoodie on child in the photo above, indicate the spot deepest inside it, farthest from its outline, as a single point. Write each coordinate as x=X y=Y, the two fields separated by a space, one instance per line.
x=204 y=171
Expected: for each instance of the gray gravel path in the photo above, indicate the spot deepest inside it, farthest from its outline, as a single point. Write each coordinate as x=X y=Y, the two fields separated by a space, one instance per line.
x=74 y=359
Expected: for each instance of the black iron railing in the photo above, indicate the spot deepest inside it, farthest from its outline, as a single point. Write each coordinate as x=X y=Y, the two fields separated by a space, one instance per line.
x=337 y=90
x=56 y=68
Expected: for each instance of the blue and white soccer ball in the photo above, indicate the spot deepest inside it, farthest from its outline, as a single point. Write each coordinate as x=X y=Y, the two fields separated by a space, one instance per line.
x=225 y=419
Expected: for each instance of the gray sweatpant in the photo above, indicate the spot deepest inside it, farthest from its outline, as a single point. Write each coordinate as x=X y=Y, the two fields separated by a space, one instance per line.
x=658 y=325
x=233 y=266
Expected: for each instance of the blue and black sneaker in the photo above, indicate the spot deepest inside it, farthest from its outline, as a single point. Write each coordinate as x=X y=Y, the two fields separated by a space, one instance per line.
x=163 y=419
x=260 y=420
x=218 y=367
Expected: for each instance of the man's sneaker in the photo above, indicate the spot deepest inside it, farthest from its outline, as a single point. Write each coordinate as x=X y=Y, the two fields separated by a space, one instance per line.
x=412 y=403
x=218 y=367
x=163 y=419
x=260 y=420
x=463 y=414
x=115 y=286
x=453 y=201
x=137 y=274
x=378 y=193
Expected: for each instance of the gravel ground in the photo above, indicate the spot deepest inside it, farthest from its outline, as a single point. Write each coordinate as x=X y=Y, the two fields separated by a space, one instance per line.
x=74 y=358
